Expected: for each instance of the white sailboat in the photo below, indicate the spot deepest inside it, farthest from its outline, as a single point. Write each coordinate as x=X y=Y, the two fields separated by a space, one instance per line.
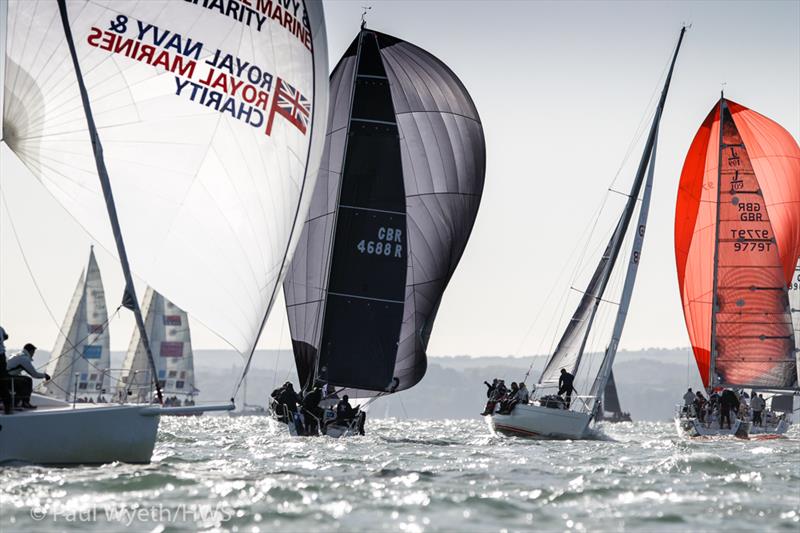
x=167 y=327
x=207 y=126
x=548 y=416
x=81 y=359
x=248 y=409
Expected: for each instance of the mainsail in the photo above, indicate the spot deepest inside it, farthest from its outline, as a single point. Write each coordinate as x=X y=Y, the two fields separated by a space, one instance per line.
x=610 y=397
x=395 y=202
x=168 y=330
x=737 y=243
x=211 y=124
x=80 y=361
x=570 y=349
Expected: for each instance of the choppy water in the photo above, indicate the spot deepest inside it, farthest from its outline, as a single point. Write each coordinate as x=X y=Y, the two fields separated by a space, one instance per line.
x=244 y=475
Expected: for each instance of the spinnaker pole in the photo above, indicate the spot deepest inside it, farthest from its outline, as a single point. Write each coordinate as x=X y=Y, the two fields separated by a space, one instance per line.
x=129 y=299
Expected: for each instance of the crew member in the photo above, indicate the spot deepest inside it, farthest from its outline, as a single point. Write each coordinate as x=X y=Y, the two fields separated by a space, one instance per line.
x=688 y=400
x=565 y=385
x=312 y=413
x=23 y=385
x=344 y=411
x=727 y=402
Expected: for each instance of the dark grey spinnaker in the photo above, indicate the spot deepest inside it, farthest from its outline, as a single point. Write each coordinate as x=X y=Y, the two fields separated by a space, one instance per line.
x=395 y=202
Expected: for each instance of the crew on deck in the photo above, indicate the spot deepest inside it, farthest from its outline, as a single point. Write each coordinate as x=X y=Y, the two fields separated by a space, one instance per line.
x=728 y=401
x=23 y=385
x=312 y=412
x=565 y=385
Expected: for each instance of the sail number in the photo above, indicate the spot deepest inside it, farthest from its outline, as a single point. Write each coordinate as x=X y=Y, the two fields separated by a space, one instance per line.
x=752 y=246
x=749 y=211
x=388 y=244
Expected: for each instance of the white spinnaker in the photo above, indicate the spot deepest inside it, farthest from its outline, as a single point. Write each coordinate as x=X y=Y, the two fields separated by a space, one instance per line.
x=171 y=341
x=80 y=361
x=207 y=200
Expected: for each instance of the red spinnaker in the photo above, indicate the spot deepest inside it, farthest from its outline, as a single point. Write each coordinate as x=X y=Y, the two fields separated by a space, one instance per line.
x=759 y=246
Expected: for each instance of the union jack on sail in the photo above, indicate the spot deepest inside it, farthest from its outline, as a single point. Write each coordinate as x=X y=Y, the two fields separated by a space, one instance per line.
x=293 y=106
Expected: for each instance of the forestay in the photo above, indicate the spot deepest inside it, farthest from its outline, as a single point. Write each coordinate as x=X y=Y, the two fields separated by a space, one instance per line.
x=397 y=196
x=211 y=116
x=80 y=361
x=167 y=328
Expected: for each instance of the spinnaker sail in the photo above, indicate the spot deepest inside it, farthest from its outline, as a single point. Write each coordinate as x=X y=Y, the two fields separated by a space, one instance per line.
x=171 y=340
x=211 y=123
x=395 y=202
x=80 y=361
x=737 y=243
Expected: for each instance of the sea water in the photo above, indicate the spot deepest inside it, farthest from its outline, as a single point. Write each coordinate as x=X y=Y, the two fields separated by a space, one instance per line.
x=247 y=474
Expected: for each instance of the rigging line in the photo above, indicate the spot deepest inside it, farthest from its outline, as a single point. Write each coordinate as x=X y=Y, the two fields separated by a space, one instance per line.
x=27 y=264
x=74 y=347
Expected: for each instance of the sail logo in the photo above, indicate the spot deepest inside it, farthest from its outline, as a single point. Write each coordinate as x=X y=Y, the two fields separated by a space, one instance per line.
x=171 y=349
x=172 y=320
x=223 y=82
x=92 y=352
x=255 y=13
x=290 y=104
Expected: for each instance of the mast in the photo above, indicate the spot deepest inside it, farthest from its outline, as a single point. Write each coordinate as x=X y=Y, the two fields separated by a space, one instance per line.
x=129 y=299
x=312 y=379
x=615 y=244
x=630 y=279
x=714 y=286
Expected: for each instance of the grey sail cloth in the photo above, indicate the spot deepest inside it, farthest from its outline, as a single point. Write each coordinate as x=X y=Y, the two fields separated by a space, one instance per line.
x=426 y=122
x=610 y=396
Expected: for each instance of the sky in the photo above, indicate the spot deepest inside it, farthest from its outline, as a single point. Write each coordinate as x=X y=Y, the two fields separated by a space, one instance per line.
x=562 y=89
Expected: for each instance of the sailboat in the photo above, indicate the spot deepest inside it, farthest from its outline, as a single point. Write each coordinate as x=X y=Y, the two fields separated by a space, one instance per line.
x=395 y=202
x=553 y=418
x=81 y=359
x=167 y=326
x=611 y=409
x=737 y=244
x=183 y=137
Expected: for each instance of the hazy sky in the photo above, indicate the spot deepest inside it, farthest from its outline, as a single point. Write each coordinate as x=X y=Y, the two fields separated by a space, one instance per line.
x=561 y=89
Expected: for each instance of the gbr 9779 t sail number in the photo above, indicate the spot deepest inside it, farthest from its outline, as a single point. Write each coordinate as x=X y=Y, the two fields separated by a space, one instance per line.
x=389 y=243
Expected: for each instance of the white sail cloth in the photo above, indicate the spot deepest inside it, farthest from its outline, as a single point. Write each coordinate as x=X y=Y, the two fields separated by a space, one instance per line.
x=211 y=119
x=170 y=338
x=80 y=361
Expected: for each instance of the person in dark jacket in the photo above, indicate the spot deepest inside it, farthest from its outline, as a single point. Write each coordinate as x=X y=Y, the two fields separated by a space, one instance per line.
x=312 y=413
x=565 y=385
x=344 y=411
x=289 y=397
x=727 y=402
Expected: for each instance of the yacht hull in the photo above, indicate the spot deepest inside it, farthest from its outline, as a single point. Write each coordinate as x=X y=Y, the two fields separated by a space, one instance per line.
x=83 y=434
x=536 y=422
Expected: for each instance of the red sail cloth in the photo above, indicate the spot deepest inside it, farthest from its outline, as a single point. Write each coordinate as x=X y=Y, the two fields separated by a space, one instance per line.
x=775 y=158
